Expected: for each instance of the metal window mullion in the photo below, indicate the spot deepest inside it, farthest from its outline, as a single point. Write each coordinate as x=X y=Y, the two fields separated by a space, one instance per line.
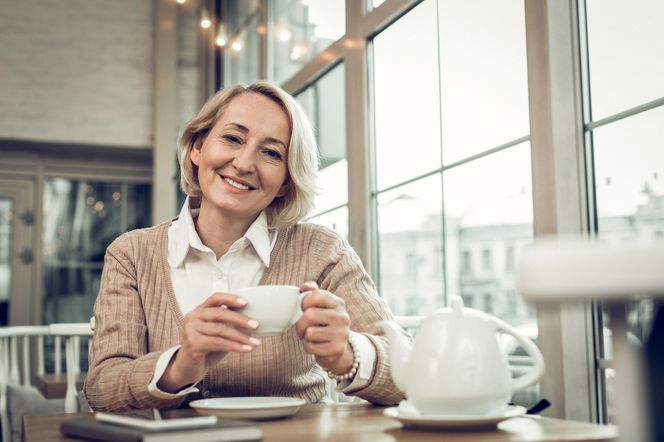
x=443 y=239
x=263 y=40
x=626 y=113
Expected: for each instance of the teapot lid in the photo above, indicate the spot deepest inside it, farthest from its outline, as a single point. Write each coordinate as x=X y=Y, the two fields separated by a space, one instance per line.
x=457 y=309
x=456 y=304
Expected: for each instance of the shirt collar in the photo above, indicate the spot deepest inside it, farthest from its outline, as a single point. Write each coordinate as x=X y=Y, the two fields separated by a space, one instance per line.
x=259 y=235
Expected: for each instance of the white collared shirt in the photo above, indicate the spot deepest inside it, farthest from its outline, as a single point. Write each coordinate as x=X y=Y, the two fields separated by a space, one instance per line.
x=196 y=274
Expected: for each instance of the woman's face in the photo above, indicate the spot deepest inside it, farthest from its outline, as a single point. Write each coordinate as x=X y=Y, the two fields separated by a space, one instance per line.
x=242 y=163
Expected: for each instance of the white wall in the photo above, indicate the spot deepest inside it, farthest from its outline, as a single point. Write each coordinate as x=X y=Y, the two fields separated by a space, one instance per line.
x=77 y=71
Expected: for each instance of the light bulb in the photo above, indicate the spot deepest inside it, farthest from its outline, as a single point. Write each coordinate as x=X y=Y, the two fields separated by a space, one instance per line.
x=205 y=19
x=222 y=37
x=237 y=45
x=181 y=2
x=284 y=34
x=298 y=52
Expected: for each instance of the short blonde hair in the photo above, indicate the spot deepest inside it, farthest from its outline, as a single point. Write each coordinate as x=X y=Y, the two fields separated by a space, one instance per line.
x=302 y=151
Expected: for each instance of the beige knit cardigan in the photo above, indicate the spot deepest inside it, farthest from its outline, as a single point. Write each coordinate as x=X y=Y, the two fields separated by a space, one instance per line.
x=138 y=318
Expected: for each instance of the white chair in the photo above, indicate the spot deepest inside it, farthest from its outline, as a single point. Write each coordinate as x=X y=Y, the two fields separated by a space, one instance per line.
x=16 y=351
x=581 y=269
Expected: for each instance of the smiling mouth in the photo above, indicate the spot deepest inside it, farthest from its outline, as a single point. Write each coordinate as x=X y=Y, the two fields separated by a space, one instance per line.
x=236 y=184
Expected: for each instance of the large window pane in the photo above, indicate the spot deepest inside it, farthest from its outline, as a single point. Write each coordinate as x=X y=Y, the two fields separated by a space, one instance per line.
x=629 y=174
x=411 y=247
x=336 y=220
x=81 y=219
x=625 y=47
x=629 y=185
x=406 y=101
x=324 y=102
x=242 y=53
x=484 y=84
x=298 y=30
x=488 y=221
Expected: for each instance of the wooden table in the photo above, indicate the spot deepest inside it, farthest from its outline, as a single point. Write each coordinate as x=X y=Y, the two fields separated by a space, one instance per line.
x=363 y=422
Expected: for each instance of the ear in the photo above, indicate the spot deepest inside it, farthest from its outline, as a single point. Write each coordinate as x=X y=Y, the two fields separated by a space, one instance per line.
x=195 y=152
x=283 y=190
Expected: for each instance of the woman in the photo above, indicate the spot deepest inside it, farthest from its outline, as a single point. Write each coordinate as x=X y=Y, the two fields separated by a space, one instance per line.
x=248 y=165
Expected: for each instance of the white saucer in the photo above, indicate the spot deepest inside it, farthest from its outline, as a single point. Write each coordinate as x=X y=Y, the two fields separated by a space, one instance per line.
x=433 y=422
x=257 y=407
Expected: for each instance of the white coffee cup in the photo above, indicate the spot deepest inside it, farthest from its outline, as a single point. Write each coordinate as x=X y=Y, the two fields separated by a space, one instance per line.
x=275 y=307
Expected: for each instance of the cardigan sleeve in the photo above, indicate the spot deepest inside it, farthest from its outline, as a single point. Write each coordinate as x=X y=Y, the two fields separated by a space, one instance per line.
x=120 y=366
x=346 y=277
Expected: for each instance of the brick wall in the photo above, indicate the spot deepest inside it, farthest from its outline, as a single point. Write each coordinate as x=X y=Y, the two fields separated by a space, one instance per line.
x=77 y=71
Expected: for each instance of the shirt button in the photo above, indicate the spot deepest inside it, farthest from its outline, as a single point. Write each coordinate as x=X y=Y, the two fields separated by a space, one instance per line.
x=217 y=274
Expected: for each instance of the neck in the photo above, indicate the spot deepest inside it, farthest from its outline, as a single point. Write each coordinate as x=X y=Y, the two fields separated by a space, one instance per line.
x=217 y=230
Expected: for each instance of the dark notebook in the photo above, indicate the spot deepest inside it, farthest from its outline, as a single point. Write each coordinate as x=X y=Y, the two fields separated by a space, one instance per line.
x=223 y=430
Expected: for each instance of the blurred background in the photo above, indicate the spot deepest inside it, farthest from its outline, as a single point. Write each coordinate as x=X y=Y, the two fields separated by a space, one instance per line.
x=451 y=133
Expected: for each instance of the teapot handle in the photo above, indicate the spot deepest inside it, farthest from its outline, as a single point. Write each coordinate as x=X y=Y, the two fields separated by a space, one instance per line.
x=532 y=375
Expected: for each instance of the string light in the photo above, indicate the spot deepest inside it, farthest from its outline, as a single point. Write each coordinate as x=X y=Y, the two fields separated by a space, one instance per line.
x=284 y=33
x=237 y=45
x=222 y=36
x=205 y=19
x=298 y=52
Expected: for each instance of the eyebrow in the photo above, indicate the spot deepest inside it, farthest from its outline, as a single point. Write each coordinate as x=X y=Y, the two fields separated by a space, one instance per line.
x=245 y=129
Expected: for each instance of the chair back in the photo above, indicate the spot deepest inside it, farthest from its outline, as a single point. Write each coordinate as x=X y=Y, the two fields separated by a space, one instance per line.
x=19 y=344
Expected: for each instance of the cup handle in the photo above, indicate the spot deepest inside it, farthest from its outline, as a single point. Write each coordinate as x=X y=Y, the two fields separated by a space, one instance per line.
x=536 y=372
x=298 y=312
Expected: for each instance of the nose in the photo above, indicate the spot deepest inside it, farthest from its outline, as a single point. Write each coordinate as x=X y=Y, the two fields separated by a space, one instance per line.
x=244 y=160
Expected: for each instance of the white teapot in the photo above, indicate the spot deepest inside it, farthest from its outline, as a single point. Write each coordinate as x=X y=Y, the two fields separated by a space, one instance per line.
x=456 y=366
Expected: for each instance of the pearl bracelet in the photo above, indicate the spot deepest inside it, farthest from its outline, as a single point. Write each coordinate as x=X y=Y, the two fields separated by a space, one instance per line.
x=356 y=363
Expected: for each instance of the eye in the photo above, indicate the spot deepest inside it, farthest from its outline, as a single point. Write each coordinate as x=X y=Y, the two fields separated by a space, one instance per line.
x=273 y=154
x=233 y=139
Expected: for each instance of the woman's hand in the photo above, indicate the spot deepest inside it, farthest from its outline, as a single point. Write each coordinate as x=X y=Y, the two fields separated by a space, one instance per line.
x=325 y=328
x=210 y=332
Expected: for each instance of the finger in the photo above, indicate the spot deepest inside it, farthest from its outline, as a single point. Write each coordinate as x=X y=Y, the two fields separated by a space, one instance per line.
x=202 y=344
x=315 y=317
x=228 y=316
x=224 y=331
x=322 y=299
x=308 y=286
x=334 y=349
x=326 y=334
x=218 y=299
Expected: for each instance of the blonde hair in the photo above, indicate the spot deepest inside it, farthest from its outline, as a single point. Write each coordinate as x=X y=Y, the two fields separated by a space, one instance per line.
x=302 y=151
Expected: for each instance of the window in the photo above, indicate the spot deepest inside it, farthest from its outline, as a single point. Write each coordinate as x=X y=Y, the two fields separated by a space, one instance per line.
x=466 y=262
x=488 y=303
x=624 y=128
x=447 y=137
x=440 y=180
x=81 y=218
x=298 y=30
x=242 y=53
x=323 y=102
x=486 y=259
x=509 y=258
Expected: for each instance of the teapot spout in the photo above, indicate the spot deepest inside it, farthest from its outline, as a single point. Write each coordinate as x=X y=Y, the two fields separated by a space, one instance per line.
x=400 y=348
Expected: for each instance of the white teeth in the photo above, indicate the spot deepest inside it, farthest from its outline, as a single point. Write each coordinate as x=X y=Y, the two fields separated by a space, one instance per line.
x=236 y=184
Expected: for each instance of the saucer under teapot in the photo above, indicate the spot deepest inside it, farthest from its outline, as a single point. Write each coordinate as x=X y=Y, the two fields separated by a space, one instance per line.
x=456 y=366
